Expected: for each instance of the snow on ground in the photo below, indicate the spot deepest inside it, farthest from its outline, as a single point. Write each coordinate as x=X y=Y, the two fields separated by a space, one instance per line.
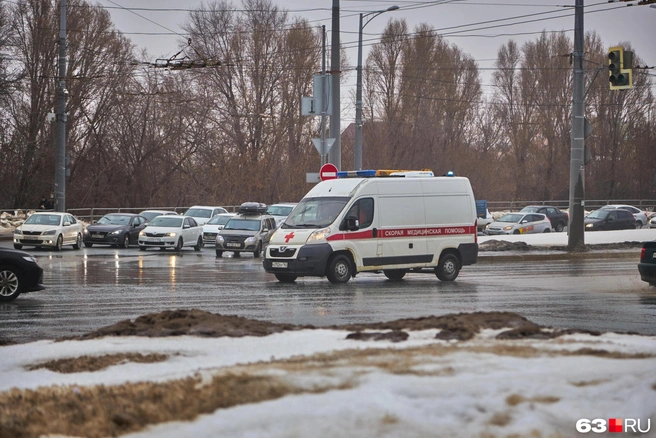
x=336 y=387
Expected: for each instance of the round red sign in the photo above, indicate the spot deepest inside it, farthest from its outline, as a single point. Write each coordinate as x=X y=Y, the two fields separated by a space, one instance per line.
x=328 y=171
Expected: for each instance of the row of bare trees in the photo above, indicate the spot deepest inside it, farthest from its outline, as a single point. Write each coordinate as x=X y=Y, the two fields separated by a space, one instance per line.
x=140 y=136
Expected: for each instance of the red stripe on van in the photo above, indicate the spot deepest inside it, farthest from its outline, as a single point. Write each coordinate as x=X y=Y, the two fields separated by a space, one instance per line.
x=390 y=233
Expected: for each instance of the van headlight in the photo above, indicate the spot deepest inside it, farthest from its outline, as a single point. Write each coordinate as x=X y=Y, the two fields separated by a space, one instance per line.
x=319 y=235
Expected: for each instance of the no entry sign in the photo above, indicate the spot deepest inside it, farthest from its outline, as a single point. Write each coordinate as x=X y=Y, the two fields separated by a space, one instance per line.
x=328 y=171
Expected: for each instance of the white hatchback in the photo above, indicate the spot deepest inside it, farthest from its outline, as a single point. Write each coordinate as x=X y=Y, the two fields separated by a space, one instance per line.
x=519 y=223
x=216 y=224
x=50 y=229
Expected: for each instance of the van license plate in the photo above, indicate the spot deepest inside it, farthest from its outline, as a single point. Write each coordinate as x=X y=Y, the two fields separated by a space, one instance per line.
x=278 y=264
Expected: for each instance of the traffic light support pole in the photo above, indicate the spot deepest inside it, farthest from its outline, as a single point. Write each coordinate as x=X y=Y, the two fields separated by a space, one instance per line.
x=575 y=229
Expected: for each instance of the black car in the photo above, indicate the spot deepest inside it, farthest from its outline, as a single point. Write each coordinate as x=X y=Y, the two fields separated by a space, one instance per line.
x=557 y=217
x=116 y=229
x=19 y=273
x=647 y=265
x=609 y=220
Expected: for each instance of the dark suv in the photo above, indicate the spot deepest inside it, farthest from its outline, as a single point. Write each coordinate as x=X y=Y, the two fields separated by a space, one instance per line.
x=248 y=231
x=557 y=217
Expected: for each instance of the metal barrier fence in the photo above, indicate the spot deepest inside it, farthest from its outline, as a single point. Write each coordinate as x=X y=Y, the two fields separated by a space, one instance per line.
x=90 y=214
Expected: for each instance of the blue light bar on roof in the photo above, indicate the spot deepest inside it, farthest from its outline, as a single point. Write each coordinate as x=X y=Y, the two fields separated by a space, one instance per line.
x=356 y=174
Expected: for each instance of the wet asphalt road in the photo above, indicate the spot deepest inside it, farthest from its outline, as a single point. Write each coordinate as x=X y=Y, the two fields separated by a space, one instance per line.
x=95 y=287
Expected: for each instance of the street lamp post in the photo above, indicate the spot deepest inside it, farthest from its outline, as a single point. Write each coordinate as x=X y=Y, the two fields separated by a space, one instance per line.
x=358 y=90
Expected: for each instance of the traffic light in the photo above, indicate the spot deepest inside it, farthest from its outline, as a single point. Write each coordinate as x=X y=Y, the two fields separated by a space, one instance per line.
x=620 y=68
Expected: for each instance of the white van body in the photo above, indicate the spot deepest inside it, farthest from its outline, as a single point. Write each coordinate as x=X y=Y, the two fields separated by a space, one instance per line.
x=417 y=223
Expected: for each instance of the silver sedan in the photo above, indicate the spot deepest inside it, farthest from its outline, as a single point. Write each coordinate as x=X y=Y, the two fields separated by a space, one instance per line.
x=519 y=223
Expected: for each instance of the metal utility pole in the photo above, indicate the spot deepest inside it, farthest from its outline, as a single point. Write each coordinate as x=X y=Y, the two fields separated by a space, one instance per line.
x=335 y=155
x=576 y=173
x=357 y=156
x=324 y=97
x=62 y=94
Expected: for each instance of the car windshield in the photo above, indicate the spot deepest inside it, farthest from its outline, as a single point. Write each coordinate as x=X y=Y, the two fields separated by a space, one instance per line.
x=199 y=212
x=150 y=215
x=219 y=220
x=114 y=219
x=243 y=224
x=316 y=212
x=599 y=214
x=279 y=210
x=529 y=210
x=43 y=219
x=167 y=221
x=511 y=217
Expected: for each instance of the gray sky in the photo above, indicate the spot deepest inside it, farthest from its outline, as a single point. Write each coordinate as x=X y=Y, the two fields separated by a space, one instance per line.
x=478 y=27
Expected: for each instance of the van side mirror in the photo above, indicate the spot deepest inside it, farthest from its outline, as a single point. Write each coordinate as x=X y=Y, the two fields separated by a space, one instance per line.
x=352 y=223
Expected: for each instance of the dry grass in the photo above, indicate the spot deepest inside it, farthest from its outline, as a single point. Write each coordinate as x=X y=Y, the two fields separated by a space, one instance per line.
x=96 y=363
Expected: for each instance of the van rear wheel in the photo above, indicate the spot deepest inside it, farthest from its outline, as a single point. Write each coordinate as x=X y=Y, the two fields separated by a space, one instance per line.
x=395 y=274
x=448 y=267
x=339 y=269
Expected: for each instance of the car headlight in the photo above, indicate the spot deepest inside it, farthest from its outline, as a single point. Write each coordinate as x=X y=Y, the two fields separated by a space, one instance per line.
x=50 y=233
x=30 y=259
x=142 y=233
x=250 y=240
x=508 y=228
x=219 y=239
x=172 y=234
x=18 y=231
x=319 y=235
x=116 y=232
x=589 y=225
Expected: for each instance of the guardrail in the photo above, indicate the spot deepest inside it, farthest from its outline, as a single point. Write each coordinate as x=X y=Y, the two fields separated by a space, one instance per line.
x=590 y=204
x=89 y=214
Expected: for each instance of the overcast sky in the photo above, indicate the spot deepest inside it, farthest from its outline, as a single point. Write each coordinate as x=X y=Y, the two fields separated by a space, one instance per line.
x=478 y=27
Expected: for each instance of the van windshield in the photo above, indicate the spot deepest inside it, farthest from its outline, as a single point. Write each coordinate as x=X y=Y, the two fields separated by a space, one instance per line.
x=316 y=212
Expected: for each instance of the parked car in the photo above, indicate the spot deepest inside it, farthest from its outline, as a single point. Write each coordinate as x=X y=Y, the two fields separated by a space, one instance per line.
x=19 y=273
x=609 y=219
x=202 y=214
x=116 y=229
x=152 y=214
x=171 y=232
x=214 y=225
x=639 y=215
x=49 y=229
x=557 y=217
x=280 y=211
x=483 y=222
x=520 y=223
x=647 y=265
x=652 y=222
x=248 y=231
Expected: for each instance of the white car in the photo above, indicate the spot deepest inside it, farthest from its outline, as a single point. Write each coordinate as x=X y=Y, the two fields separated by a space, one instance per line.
x=519 y=223
x=216 y=224
x=640 y=216
x=202 y=213
x=280 y=211
x=50 y=229
x=171 y=232
x=652 y=222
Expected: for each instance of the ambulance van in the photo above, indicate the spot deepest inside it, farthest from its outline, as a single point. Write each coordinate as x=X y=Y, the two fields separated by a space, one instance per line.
x=392 y=222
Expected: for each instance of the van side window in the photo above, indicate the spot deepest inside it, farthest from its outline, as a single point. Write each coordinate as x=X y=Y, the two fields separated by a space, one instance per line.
x=363 y=209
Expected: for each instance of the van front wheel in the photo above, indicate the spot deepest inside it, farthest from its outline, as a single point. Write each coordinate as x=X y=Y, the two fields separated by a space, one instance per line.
x=448 y=267
x=339 y=269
